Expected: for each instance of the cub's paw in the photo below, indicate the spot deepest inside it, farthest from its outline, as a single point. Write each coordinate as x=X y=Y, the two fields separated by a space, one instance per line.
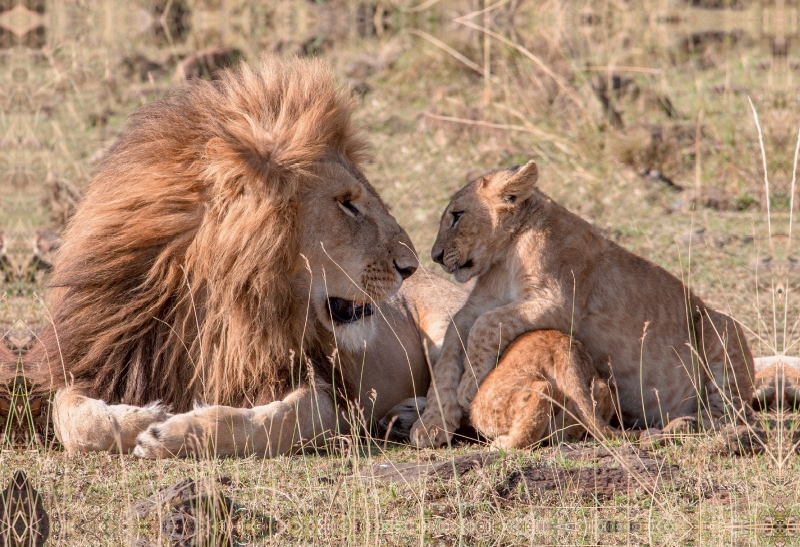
x=428 y=435
x=681 y=426
x=503 y=442
x=467 y=390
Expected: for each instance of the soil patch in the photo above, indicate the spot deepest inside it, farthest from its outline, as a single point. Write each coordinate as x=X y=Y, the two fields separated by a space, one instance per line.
x=606 y=472
x=412 y=472
x=197 y=512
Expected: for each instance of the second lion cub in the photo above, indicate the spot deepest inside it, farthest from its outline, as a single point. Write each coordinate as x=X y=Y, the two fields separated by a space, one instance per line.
x=544 y=385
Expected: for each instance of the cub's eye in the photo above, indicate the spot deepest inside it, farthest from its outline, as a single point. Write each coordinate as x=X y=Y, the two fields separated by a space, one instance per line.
x=510 y=199
x=349 y=208
x=456 y=216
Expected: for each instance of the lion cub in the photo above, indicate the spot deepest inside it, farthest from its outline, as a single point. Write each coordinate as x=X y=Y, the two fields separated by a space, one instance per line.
x=544 y=383
x=539 y=266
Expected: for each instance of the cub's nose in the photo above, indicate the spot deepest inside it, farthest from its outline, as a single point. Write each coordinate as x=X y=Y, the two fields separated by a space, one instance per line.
x=405 y=272
x=438 y=257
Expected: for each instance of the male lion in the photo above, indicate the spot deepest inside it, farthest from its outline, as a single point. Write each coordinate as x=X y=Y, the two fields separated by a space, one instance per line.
x=228 y=244
x=538 y=266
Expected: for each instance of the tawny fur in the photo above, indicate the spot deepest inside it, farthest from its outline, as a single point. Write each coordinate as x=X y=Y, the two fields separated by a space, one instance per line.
x=174 y=279
x=199 y=267
x=544 y=385
x=538 y=266
x=777 y=383
x=8 y=368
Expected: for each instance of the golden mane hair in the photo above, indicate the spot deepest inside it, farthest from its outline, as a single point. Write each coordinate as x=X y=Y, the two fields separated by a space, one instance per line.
x=174 y=279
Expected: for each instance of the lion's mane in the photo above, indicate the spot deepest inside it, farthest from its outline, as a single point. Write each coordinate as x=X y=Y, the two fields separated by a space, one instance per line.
x=174 y=280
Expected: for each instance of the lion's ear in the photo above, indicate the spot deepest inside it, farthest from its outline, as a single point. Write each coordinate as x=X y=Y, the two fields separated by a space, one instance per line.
x=246 y=158
x=514 y=185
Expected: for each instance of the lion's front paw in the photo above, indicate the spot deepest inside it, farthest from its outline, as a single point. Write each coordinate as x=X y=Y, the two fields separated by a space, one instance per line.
x=149 y=445
x=429 y=435
x=176 y=437
x=467 y=390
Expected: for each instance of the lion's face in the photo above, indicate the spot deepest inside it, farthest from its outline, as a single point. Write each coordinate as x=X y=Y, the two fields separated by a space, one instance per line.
x=357 y=253
x=475 y=224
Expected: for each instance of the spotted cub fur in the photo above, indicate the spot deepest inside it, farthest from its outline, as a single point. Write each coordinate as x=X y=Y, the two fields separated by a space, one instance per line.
x=545 y=385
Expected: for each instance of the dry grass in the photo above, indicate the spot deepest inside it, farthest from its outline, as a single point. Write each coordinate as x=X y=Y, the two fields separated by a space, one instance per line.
x=596 y=93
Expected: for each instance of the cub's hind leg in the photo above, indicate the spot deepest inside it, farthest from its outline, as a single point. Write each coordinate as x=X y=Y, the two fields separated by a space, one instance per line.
x=565 y=425
x=590 y=403
x=543 y=373
x=513 y=405
x=83 y=424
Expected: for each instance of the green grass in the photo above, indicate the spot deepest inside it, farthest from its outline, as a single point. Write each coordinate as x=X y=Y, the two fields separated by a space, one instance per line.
x=433 y=123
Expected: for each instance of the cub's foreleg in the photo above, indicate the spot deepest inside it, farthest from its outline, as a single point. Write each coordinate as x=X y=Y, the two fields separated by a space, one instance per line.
x=306 y=416
x=83 y=424
x=442 y=415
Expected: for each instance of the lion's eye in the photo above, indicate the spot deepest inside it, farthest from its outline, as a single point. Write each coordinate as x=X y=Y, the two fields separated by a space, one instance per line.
x=349 y=208
x=456 y=216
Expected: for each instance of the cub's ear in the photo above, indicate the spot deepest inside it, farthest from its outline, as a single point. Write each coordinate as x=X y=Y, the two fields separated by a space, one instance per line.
x=513 y=185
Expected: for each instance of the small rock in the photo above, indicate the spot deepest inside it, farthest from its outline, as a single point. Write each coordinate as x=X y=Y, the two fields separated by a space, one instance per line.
x=182 y=493
x=656 y=176
x=406 y=473
x=693 y=237
x=359 y=87
x=140 y=67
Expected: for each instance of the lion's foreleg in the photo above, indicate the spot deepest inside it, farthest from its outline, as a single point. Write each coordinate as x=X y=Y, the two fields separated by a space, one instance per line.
x=83 y=424
x=306 y=416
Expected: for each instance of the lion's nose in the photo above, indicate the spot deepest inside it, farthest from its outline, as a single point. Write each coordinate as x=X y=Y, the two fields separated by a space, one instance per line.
x=438 y=257
x=406 y=272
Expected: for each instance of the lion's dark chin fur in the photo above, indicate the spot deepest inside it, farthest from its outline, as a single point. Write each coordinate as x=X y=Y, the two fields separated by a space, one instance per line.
x=344 y=312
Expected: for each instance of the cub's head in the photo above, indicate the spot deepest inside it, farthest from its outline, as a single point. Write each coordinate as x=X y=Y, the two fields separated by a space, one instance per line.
x=357 y=253
x=480 y=220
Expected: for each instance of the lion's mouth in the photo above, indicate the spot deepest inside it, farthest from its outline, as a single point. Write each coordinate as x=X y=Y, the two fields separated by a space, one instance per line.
x=348 y=311
x=465 y=266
